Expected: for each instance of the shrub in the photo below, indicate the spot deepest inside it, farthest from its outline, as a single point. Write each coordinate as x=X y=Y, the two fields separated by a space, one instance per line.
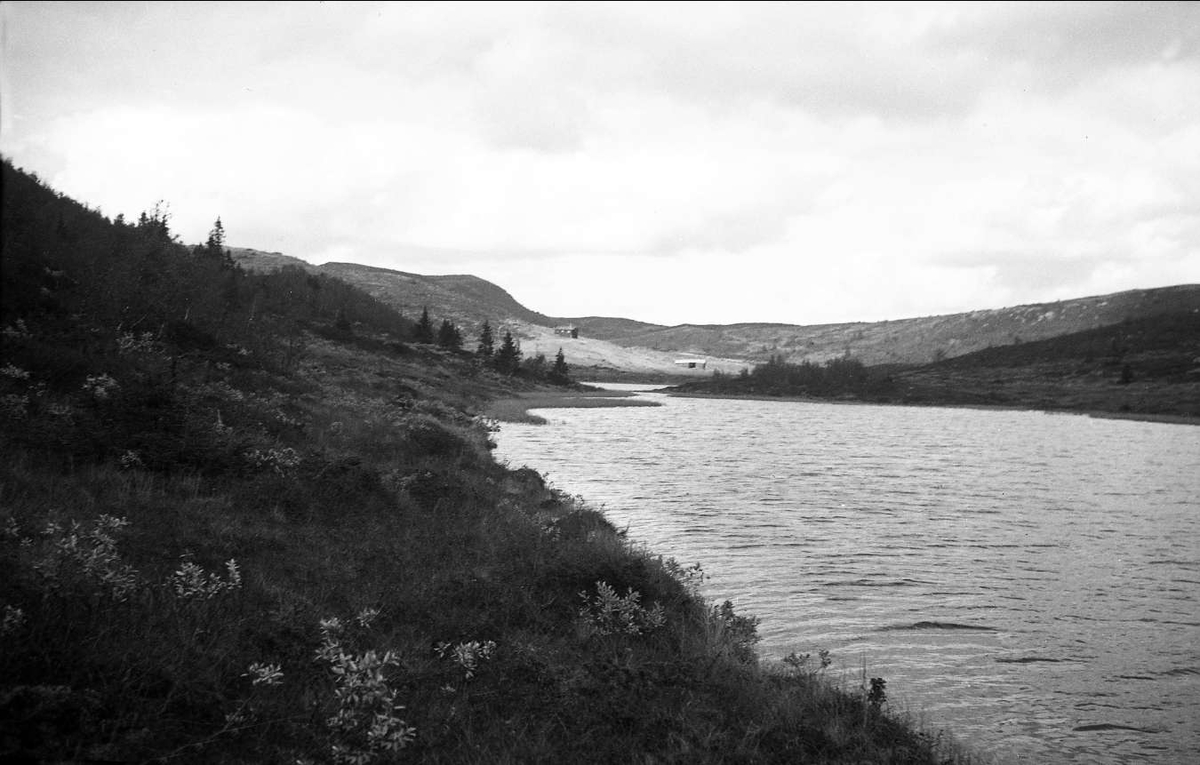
x=364 y=726
x=607 y=613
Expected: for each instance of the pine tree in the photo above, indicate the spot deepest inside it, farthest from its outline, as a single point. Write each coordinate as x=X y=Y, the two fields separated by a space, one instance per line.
x=508 y=358
x=214 y=247
x=449 y=336
x=487 y=346
x=423 y=332
x=559 y=372
x=216 y=237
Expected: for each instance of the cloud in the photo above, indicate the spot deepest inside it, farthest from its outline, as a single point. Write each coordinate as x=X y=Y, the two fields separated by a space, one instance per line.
x=772 y=160
x=1061 y=45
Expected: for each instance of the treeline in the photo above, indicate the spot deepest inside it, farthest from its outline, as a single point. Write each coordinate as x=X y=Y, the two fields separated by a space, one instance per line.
x=76 y=273
x=836 y=378
x=115 y=336
x=97 y=285
x=507 y=359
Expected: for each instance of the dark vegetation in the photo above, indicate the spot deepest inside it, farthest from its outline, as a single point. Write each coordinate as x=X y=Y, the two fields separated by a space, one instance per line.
x=836 y=378
x=247 y=518
x=1147 y=367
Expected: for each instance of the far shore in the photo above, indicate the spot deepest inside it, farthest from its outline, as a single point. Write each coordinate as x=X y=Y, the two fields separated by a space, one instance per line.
x=1171 y=419
x=516 y=409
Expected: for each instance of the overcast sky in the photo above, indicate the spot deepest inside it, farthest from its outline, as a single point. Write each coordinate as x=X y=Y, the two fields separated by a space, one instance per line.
x=705 y=163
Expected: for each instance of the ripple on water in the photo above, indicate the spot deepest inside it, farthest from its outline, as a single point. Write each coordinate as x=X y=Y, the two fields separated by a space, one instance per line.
x=1027 y=581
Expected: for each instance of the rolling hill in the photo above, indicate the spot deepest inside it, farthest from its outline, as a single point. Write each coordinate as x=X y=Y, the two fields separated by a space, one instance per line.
x=465 y=300
x=608 y=343
x=905 y=341
x=468 y=301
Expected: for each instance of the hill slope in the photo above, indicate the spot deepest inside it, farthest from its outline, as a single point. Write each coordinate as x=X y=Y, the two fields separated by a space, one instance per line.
x=466 y=300
x=245 y=521
x=1147 y=368
x=906 y=341
x=469 y=300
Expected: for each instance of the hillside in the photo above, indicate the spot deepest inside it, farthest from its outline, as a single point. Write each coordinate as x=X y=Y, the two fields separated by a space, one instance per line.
x=470 y=300
x=1147 y=368
x=246 y=518
x=465 y=300
x=906 y=341
x=1143 y=367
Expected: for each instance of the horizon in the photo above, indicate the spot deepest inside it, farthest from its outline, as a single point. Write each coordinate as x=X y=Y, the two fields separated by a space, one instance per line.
x=732 y=164
x=733 y=323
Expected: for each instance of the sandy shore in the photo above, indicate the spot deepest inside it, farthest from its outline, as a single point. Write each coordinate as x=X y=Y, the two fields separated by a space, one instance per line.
x=517 y=409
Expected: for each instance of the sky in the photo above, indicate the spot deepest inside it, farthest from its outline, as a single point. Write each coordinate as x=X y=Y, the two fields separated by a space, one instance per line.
x=800 y=163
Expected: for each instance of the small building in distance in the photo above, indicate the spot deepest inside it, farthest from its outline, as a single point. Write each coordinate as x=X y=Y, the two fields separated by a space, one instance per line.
x=692 y=363
x=567 y=330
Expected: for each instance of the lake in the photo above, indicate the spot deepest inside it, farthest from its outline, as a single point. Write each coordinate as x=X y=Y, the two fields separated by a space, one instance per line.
x=1028 y=582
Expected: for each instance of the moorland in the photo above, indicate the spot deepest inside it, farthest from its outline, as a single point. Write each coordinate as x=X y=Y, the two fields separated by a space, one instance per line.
x=1129 y=354
x=254 y=516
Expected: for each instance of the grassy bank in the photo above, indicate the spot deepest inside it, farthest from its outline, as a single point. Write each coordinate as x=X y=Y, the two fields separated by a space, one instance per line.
x=250 y=518
x=378 y=588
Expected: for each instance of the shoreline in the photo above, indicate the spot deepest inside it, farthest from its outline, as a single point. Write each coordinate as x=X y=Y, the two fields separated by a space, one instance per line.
x=516 y=408
x=1168 y=419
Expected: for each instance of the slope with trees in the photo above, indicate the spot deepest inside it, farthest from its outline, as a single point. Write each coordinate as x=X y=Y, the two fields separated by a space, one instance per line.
x=1148 y=368
x=247 y=519
x=468 y=300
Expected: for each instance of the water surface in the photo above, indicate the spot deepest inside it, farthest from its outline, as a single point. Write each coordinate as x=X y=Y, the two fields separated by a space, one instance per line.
x=1028 y=581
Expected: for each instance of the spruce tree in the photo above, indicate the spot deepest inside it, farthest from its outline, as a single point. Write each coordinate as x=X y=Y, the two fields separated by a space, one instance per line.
x=487 y=346
x=214 y=247
x=216 y=237
x=423 y=332
x=559 y=372
x=449 y=336
x=508 y=358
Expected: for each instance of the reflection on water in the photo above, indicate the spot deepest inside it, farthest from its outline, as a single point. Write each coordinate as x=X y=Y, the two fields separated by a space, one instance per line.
x=1031 y=582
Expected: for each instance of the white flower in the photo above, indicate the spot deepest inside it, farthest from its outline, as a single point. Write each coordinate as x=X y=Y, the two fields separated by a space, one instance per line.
x=265 y=674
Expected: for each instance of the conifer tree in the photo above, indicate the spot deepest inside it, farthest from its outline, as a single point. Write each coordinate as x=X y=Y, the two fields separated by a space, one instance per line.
x=214 y=246
x=487 y=346
x=449 y=336
x=423 y=332
x=508 y=358
x=559 y=372
x=216 y=237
